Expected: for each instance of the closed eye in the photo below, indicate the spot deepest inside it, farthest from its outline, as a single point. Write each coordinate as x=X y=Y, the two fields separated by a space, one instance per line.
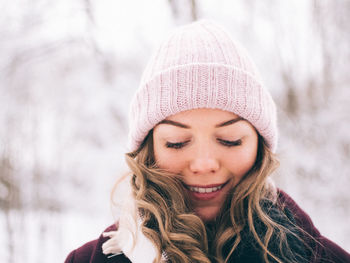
x=176 y=145
x=230 y=143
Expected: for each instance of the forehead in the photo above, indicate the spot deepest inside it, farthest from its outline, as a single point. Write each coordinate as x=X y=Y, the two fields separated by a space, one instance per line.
x=203 y=115
x=202 y=120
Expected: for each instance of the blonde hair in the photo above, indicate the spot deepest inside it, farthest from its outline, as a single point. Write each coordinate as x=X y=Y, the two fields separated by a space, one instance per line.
x=170 y=223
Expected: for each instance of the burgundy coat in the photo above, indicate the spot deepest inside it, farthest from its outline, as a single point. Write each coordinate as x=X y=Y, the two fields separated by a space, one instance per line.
x=324 y=251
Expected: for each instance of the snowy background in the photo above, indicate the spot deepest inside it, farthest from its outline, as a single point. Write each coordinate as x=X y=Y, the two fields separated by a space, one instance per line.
x=68 y=70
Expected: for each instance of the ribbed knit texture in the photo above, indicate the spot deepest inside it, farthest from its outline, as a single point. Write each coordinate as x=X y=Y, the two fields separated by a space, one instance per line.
x=200 y=66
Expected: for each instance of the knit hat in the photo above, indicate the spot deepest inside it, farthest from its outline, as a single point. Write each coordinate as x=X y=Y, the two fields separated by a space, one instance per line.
x=200 y=66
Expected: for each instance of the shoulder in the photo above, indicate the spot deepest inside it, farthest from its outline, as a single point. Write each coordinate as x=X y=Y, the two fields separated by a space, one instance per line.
x=91 y=252
x=324 y=250
x=301 y=218
x=83 y=253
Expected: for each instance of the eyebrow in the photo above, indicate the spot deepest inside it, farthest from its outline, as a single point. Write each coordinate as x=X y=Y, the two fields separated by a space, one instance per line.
x=226 y=123
x=175 y=123
x=185 y=126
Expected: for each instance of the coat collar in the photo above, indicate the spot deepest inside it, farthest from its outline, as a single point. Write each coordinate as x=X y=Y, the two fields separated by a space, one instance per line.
x=129 y=239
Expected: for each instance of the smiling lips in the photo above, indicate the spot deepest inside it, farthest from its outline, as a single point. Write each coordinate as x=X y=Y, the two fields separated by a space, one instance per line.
x=205 y=193
x=204 y=189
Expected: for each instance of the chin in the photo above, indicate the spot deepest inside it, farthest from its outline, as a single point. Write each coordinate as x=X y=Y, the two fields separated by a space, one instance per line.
x=207 y=216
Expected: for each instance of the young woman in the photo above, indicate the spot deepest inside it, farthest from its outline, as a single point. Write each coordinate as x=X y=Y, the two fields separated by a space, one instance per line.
x=203 y=137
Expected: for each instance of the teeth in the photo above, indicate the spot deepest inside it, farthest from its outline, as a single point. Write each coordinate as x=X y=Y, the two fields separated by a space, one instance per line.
x=205 y=190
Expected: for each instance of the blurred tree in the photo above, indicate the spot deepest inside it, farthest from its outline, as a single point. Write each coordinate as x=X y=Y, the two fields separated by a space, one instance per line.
x=10 y=198
x=184 y=10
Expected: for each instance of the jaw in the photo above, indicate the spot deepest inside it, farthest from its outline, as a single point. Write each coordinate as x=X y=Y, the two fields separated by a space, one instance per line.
x=207 y=214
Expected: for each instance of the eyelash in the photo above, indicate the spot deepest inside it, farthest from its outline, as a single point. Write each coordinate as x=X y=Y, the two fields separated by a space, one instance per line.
x=176 y=145
x=179 y=145
x=230 y=143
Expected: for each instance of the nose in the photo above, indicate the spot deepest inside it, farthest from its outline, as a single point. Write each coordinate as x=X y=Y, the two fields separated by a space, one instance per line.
x=204 y=164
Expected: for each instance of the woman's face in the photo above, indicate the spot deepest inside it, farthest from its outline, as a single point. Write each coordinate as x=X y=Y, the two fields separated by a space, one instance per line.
x=212 y=150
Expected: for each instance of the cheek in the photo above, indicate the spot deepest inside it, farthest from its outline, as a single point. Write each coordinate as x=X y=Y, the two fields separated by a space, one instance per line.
x=241 y=163
x=169 y=161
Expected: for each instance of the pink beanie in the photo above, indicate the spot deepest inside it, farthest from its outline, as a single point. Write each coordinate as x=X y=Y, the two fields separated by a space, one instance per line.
x=200 y=66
